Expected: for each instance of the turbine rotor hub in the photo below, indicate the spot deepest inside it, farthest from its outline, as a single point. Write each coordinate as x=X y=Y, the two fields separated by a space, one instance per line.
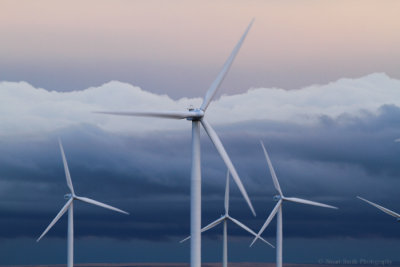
x=197 y=114
x=276 y=198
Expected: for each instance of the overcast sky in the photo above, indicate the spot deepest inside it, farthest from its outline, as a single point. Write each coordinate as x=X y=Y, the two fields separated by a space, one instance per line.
x=318 y=82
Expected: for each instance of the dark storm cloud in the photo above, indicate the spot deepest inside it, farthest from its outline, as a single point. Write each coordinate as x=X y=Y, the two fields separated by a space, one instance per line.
x=331 y=161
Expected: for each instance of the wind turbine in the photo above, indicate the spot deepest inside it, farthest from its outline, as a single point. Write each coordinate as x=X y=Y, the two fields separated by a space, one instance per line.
x=278 y=210
x=225 y=218
x=69 y=206
x=196 y=116
x=385 y=210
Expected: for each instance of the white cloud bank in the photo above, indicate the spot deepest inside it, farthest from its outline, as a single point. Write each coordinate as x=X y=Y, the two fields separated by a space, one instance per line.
x=25 y=110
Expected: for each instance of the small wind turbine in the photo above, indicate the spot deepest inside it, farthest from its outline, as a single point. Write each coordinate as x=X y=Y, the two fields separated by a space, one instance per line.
x=69 y=206
x=278 y=210
x=225 y=218
x=385 y=210
x=196 y=116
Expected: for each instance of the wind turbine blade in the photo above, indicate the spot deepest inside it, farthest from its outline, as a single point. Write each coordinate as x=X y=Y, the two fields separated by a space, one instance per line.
x=209 y=226
x=60 y=213
x=269 y=219
x=248 y=230
x=159 y=114
x=221 y=150
x=213 y=224
x=67 y=174
x=308 y=202
x=221 y=75
x=271 y=169
x=227 y=193
x=385 y=210
x=183 y=240
x=97 y=203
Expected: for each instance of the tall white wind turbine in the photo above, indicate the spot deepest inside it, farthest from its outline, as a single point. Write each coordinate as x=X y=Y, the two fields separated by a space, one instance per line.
x=385 y=210
x=225 y=218
x=69 y=206
x=196 y=116
x=278 y=211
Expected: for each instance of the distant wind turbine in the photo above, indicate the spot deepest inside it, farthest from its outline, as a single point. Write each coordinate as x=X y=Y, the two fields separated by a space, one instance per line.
x=225 y=218
x=278 y=210
x=196 y=116
x=69 y=206
x=385 y=210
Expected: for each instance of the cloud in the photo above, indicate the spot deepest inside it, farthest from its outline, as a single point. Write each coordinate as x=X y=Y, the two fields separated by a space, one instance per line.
x=331 y=144
x=149 y=177
x=25 y=110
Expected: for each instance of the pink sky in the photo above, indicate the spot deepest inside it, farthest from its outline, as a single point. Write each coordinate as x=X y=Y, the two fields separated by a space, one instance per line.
x=292 y=43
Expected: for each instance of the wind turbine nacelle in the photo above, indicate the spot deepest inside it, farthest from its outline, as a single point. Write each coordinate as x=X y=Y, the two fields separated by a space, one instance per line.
x=197 y=114
x=276 y=198
x=67 y=196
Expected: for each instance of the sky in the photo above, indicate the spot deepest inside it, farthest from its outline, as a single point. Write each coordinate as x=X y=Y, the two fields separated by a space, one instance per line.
x=317 y=81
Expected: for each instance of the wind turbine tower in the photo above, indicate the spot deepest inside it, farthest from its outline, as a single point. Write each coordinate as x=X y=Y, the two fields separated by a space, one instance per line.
x=196 y=117
x=225 y=218
x=69 y=206
x=280 y=198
